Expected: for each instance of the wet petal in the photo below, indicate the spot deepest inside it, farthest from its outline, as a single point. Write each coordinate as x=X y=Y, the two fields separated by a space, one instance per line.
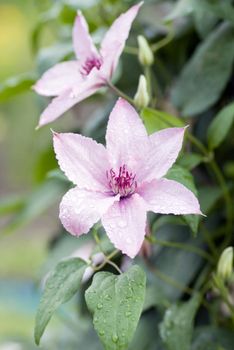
x=58 y=79
x=68 y=99
x=169 y=197
x=125 y=224
x=126 y=138
x=83 y=160
x=118 y=34
x=165 y=146
x=82 y=41
x=81 y=209
x=110 y=62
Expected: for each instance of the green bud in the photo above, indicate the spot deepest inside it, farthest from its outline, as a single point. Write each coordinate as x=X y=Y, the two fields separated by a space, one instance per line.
x=141 y=97
x=225 y=264
x=145 y=53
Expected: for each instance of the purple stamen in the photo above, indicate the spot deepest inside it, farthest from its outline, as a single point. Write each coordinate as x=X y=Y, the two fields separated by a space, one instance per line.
x=122 y=183
x=89 y=64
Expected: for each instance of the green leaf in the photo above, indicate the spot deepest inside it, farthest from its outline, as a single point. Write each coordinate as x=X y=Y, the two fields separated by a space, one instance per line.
x=177 y=326
x=212 y=338
x=16 y=85
x=183 y=176
x=60 y=287
x=215 y=8
x=116 y=303
x=154 y=297
x=205 y=75
x=208 y=197
x=220 y=126
x=157 y=120
x=189 y=160
x=58 y=175
x=221 y=9
x=181 y=8
x=172 y=269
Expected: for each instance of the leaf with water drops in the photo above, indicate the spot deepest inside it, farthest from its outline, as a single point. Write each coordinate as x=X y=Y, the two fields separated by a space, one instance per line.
x=177 y=326
x=116 y=303
x=60 y=287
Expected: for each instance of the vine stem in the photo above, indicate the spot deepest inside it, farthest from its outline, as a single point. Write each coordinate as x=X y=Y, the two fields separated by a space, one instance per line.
x=147 y=71
x=166 y=40
x=182 y=246
x=120 y=93
x=108 y=261
x=228 y=201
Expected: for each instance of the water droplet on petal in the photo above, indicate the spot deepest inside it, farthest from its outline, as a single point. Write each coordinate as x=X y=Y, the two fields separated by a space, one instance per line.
x=122 y=223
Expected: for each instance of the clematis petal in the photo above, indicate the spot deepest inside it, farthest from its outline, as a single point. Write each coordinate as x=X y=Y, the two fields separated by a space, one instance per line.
x=118 y=34
x=82 y=41
x=169 y=197
x=68 y=99
x=125 y=224
x=58 y=79
x=126 y=138
x=81 y=209
x=111 y=60
x=83 y=160
x=165 y=146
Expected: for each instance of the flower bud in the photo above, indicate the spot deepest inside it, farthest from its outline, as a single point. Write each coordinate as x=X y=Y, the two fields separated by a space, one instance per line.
x=141 y=97
x=145 y=53
x=225 y=264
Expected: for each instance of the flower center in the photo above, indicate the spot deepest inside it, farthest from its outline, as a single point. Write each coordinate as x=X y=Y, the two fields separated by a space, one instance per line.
x=122 y=183
x=89 y=64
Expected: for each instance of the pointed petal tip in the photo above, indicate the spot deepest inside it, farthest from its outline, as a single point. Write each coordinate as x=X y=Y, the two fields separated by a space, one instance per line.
x=140 y=4
x=54 y=133
x=123 y=102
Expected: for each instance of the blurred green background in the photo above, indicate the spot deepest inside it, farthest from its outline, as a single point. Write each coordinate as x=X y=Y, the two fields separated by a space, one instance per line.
x=22 y=252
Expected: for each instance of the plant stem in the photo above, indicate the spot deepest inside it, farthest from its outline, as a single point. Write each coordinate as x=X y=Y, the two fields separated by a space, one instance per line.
x=120 y=93
x=228 y=201
x=147 y=71
x=107 y=260
x=166 y=40
x=209 y=241
x=182 y=246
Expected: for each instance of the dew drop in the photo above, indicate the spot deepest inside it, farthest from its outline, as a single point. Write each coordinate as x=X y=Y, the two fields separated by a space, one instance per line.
x=128 y=313
x=101 y=333
x=115 y=338
x=99 y=306
x=122 y=224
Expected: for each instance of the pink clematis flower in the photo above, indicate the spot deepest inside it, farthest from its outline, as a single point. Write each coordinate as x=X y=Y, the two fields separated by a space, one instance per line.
x=120 y=183
x=73 y=81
